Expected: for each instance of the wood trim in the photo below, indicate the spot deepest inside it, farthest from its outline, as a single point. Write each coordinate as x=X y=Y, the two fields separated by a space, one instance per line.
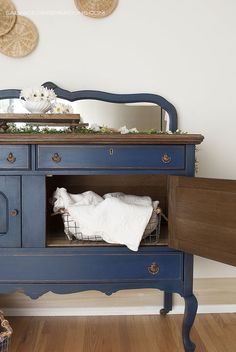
x=7 y=138
x=28 y=117
x=201 y=217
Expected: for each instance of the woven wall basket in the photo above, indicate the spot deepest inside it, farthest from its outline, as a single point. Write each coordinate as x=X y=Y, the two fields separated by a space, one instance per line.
x=7 y=16
x=96 y=8
x=21 y=40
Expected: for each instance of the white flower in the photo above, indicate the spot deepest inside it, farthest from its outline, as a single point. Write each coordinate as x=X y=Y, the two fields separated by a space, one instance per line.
x=123 y=130
x=95 y=127
x=38 y=94
x=61 y=108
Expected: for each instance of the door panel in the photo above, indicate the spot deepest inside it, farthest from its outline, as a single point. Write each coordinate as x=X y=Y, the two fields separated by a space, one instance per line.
x=3 y=213
x=10 y=211
x=202 y=217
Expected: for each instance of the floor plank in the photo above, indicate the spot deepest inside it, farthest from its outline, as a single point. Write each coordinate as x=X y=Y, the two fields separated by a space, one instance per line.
x=211 y=333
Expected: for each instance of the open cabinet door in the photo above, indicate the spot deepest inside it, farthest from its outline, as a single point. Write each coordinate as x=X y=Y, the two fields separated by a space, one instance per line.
x=202 y=217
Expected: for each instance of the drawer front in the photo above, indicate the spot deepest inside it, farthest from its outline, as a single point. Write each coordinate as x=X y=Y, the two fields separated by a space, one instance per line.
x=111 y=157
x=14 y=157
x=91 y=268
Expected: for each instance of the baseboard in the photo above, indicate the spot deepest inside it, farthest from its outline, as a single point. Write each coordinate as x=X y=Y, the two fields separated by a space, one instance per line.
x=227 y=308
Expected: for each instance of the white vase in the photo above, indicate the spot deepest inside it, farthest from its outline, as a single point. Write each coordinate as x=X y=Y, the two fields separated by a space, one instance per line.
x=37 y=107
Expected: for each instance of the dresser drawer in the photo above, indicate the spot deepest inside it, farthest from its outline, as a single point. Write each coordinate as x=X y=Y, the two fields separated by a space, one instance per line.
x=110 y=157
x=82 y=268
x=16 y=157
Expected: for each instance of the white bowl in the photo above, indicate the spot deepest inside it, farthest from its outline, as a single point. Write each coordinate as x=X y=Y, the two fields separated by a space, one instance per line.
x=38 y=107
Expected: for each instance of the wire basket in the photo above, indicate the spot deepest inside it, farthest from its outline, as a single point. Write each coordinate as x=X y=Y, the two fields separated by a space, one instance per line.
x=5 y=334
x=73 y=232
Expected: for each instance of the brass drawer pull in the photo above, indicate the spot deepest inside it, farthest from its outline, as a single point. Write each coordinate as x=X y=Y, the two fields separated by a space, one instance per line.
x=11 y=158
x=154 y=268
x=56 y=158
x=14 y=212
x=166 y=158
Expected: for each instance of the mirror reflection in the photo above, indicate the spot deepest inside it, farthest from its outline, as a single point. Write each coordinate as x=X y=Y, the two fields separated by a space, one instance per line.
x=143 y=116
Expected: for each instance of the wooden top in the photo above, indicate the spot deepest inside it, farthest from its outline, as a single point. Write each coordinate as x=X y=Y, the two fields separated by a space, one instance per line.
x=45 y=118
x=76 y=138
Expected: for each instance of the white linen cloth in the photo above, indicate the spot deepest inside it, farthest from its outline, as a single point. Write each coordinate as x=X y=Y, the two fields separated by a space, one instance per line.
x=63 y=199
x=118 y=219
x=131 y=199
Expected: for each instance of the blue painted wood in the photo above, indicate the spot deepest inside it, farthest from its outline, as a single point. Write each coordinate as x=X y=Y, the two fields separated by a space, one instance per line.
x=175 y=172
x=168 y=302
x=188 y=275
x=104 y=96
x=83 y=268
x=190 y=160
x=191 y=306
x=110 y=157
x=87 y=250
x=37 y=289
x=20 y=154
x=33 y=221
x=10 y=195
x=10 y=93
x=191 y=303
x=3 y=214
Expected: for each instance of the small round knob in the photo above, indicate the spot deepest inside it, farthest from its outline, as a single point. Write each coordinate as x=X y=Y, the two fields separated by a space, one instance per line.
x=56 y=158
x=14 y=212
x=154 y=268
x=166 y=158
x=11 y=158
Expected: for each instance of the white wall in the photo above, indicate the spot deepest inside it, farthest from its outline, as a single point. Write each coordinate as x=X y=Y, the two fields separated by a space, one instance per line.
x=124 y=53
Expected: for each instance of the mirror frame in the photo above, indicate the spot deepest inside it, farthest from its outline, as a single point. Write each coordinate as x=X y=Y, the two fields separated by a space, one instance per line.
x=106 y=97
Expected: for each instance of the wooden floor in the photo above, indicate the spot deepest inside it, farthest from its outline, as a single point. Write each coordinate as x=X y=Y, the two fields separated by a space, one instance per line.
x=211 y=333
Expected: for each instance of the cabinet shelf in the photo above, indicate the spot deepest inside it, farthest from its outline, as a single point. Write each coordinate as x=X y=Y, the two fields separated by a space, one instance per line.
x=154 y=186
x=59 y=239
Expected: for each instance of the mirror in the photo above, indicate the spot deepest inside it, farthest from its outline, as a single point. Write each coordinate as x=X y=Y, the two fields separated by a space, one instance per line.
x=143 y=116
x=143 y=111
x=12 y=106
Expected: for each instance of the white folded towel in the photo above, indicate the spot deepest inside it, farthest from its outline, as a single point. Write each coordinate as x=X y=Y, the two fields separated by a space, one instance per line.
x=113 y=220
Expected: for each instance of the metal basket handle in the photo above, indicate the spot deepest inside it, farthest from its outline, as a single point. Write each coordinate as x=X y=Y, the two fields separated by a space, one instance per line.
x=159 y=211
x=60 y=211
x=6 y=327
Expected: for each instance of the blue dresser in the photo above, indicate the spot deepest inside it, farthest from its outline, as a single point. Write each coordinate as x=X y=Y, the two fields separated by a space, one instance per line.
x=36 y=257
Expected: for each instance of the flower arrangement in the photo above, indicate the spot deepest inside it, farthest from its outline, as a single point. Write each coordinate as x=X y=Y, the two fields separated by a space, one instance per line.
x=38 y=94
x=38 y=100
x=61 y=108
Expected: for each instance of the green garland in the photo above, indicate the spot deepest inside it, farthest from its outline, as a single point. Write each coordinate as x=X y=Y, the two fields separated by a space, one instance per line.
x=31 y=129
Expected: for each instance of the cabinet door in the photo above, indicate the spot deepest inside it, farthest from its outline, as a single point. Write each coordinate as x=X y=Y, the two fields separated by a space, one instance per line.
x=10 y=211
x=202 y=217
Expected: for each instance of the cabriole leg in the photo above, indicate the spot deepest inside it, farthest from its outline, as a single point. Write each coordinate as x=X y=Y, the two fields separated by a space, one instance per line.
x=167 y=303
x=189 y=316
